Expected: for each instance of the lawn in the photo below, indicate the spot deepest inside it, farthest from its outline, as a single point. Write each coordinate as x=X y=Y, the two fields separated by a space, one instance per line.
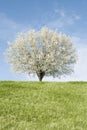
x=43 y=106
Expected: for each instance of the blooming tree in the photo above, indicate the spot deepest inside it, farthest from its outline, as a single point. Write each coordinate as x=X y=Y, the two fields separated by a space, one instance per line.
x=43 y=52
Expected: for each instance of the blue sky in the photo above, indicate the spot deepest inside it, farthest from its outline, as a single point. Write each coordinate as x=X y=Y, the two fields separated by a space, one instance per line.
x=65 y=16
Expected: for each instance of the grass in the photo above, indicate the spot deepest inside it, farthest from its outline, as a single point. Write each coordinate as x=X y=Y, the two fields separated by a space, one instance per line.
x=43 y=106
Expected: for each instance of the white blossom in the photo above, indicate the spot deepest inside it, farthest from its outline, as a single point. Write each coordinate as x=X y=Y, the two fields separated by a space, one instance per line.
x=45 y=52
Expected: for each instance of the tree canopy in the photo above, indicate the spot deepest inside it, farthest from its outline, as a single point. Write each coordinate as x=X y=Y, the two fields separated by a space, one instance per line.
x=44 y=52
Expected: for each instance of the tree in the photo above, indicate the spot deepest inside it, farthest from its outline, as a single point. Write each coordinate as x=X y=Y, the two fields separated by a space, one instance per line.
x=43 y=52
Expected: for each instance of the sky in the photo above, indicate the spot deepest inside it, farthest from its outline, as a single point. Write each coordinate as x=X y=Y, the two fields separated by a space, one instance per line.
x=66 y=16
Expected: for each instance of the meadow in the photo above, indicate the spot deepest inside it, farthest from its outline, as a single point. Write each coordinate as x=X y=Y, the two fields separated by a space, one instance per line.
x=43 y=105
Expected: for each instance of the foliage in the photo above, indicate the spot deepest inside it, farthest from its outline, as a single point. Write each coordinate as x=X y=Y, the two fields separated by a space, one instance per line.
x=45 y=52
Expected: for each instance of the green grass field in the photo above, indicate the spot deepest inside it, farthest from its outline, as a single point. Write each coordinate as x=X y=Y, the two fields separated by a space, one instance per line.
x=43 y=106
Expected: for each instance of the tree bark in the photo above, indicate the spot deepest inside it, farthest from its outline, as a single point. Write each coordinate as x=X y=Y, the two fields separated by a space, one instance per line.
x=40 y=75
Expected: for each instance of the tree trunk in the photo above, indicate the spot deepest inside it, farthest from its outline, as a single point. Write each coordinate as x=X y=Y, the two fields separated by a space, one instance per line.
x=40 y=75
